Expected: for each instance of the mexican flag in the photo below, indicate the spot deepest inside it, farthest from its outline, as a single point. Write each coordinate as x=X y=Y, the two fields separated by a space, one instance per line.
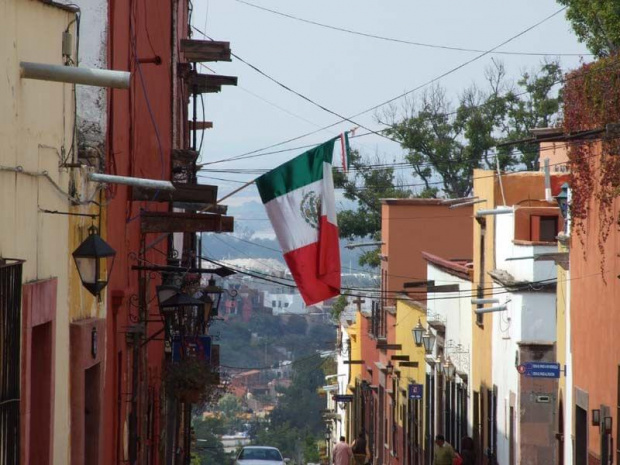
x=299 y=198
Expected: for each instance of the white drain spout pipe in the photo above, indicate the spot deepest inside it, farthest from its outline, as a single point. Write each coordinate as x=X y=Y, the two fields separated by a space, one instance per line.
x=75 y=75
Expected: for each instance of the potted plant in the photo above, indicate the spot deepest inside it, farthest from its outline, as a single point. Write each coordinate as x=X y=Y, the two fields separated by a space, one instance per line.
x=193 y=381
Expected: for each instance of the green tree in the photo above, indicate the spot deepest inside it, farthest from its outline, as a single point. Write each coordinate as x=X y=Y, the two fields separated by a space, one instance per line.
x=208 y=445
x=231 y=409
x=446 y=142
x=596 y=23
x=297 y=325
x=338 y=307
x=535 y=105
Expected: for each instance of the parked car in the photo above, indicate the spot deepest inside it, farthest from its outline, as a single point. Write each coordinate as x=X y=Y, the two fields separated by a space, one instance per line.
x=260 y=455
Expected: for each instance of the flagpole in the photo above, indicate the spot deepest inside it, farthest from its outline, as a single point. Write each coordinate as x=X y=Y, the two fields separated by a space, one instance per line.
x=239 y=189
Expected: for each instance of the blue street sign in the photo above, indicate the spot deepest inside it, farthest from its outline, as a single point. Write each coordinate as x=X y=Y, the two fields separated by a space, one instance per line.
x=416 y=391
x=343 y=398
x=540 y=369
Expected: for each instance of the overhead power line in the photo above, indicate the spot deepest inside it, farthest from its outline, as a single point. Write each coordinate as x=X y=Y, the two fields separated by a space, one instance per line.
x=375 y=107
x=402 y=41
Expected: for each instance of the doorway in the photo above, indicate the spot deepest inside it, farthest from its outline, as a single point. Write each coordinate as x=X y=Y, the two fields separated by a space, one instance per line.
x=581 y=436
x=40 y=400
x=92 y=414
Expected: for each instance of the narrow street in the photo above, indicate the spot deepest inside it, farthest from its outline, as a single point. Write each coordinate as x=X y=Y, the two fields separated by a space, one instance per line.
x=251 y=232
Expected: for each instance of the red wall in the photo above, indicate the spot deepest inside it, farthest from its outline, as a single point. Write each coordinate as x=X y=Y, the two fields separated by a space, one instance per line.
x=139 y=144
x=595 y=318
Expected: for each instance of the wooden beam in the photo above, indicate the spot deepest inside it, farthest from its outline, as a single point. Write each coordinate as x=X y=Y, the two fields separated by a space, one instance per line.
x=169 y=222
x=205 y=50
x=200 y=125
x=192 y=193
x=402 y=358
x=409 y=364
x=354 y=362
x=418 y=284
x=207 y=83
x=389 y=346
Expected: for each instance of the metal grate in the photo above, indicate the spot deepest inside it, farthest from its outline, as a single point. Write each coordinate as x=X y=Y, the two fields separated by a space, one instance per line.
x=10 y=331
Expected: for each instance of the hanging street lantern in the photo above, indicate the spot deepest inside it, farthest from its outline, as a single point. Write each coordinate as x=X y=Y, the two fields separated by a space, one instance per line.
x=164 y=292
x=562 y=200
x=418 y=332
x=448 y=368
x=212 y=296
x=428 y=339
x=183 y=315
x=90 y=259
x=177 y=303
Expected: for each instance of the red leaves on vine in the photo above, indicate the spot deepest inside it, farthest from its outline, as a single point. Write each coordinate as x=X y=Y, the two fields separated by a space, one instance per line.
x=591 y=101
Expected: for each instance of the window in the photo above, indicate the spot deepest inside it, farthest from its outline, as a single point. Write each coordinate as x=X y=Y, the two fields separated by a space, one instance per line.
x=273 y=303
x=10 y=334
x=543 y=228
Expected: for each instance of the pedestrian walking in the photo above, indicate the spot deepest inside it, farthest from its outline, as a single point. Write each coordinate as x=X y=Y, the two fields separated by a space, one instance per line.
x=444 y=453
x=360 y=449
x=342 y=453
x=468 y=453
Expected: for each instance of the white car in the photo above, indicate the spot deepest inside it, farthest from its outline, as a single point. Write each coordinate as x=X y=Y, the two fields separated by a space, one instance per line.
x=260 y=455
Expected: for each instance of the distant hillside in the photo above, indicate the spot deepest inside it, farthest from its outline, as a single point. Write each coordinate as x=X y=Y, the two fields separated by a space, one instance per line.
x=228 y=246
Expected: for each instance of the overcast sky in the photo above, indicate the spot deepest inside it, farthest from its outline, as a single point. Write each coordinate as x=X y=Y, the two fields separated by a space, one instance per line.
x=348 y=73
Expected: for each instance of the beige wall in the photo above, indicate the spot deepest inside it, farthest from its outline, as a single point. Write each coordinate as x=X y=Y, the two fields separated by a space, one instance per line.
x=36 y=120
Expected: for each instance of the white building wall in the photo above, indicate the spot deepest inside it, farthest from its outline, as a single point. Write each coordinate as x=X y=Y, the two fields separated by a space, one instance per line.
x=343 y=383
x=529 y=316
x=93 y=53
x=523 y=269
x=455 y=309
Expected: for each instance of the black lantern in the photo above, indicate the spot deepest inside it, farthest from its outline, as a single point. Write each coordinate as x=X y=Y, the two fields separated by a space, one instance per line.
x=428 y=339
x=178 y=303
x=562 y=200
x=596 y=417
x=418 y=332
x=328 y=434
x=164 y=292
x=89 y=259
x=212 y=296
x=607 y=425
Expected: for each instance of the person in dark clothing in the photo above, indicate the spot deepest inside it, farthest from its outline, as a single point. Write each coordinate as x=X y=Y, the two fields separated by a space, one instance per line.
x=360 y=449
x=467 y=452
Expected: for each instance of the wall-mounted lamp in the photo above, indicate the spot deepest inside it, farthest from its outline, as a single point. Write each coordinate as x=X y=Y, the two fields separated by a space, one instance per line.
x=562 y=200
x=607 y=425
x=448 y=368
x=89 y=259
x=428 y=339
x=418 y=332
x=596 y=417
x=212 y=295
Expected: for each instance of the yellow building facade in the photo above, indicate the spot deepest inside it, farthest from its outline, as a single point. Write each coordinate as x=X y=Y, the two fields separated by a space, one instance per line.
x=42 y=188
x=410 y=413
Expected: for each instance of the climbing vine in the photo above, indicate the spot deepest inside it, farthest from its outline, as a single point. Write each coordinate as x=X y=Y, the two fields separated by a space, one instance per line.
x=591 y=101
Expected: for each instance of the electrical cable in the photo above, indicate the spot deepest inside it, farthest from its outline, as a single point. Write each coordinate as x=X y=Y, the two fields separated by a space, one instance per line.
x=402 y=41
x=375 y=107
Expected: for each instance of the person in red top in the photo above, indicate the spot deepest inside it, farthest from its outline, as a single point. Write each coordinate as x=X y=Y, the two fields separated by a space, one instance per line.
x=342 y=453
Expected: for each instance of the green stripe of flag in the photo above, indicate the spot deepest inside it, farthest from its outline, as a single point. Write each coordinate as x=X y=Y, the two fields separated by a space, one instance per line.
x=298 y=172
